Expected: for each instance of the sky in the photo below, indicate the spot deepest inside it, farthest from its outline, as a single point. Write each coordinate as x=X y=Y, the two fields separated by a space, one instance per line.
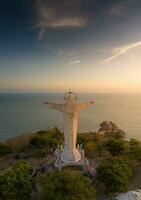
x=82 y=45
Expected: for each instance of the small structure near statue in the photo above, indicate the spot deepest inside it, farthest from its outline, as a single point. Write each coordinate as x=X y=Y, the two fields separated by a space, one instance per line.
x=69 y=154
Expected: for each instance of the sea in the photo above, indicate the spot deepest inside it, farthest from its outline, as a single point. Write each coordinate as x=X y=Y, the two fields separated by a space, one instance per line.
x=25 y=113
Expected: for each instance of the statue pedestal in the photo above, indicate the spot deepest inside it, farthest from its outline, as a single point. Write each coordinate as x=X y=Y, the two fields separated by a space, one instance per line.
x=60 y=163
x=73 y=156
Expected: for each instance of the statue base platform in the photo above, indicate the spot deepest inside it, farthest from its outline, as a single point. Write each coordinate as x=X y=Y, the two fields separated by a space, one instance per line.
x=59 y=163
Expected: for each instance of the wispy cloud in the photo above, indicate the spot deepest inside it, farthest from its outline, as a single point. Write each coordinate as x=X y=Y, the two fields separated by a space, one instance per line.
x=56 y=14
x=75 y=62
x=68 y=56
x=116 y=52
x=118 y=9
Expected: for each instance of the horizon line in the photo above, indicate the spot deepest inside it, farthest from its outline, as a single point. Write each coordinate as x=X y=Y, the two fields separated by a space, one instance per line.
x=62 y=92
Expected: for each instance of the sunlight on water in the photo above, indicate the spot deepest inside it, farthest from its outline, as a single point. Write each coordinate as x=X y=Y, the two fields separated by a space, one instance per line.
x=20 y=113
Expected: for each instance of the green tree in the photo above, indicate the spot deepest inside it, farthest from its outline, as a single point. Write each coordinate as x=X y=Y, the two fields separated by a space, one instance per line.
x=118 y=133
x=83 y=138
x=135 y=150
x=134 y=143
x=67 y=185
x=116 y=146
x=17 y=183
x=39 y=141
x=115 y=174
x=48 y=138
x=90 y=149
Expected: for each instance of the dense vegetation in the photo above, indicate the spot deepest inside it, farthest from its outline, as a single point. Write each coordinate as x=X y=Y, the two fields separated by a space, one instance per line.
x=16 y=184
x=116 y=146
x=135 y=151
x=115 y=174
x=44 y=142
x=116 y=153
x=110 y=150
x=49 y=138
x=68 y=185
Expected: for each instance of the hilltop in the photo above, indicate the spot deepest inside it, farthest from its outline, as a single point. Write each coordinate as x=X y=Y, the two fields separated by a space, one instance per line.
x=107 y=147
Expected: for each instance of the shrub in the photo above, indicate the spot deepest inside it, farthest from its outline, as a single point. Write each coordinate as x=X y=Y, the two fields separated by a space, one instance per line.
x=67 y=185
x=83 y=138
x=16 y=184
x=116 y=146
x=39 y=153
x=135 y=150
x=92 y=142
x=90 y=148
x=39 y=141
x=115 y=174
x=134 y=143
x=48 y=138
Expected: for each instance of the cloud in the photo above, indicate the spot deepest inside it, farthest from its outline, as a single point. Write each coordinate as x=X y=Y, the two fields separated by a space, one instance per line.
x=75 y=62
x=122 y=51
x=118 y=9
x=68 y=56
x=56 y=14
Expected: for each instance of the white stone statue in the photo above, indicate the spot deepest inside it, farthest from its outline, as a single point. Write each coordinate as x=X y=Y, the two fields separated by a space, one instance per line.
x=70 y=110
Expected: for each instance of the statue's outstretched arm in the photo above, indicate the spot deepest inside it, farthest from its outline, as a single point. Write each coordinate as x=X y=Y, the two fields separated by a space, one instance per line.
x=82 y=106
x=59 y=107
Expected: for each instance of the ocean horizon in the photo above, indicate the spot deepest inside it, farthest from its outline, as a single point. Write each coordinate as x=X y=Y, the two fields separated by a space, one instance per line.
x=26 y=112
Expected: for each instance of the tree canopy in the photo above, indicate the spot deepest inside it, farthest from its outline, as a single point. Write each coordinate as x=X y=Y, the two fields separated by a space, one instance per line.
x=16 y=184
x=49 y=138
x=115 y=174
x=116 y=146
x=68 y=185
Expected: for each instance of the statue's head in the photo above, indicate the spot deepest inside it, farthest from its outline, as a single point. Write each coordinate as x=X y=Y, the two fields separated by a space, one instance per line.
x=70 y=97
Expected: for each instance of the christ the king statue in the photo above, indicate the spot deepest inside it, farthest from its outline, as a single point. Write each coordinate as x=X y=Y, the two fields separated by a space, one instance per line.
x=70 y=109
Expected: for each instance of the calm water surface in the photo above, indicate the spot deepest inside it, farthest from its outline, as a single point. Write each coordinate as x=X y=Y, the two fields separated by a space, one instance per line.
x=20 y=113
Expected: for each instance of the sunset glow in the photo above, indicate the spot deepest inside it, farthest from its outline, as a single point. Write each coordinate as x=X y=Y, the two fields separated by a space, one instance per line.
x=93 y=47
